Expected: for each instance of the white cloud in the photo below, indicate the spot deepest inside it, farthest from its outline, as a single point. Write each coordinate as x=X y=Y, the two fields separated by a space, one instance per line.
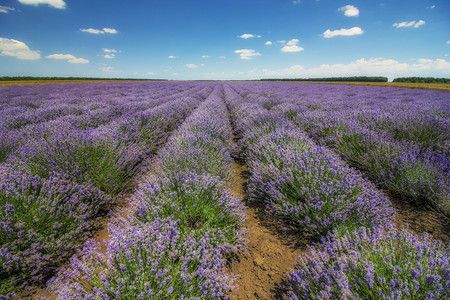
x=249 y=35
x=69 y=57
x=106 y=50
x=432 y=6
x=150 y=73
x=206 y=56
x=60 y=56
x=405 y=24
x=55 y=3
x=420 y=23
x=292 y=46
x=93 y=31
x=297 y=1
x=222 y=57
x=448 y=42
x=349 y=10
x=78 y=61
x=345 y=32
x=172 y=57
x=109 y=56
x=373 y=67
x=246 y=53
x=110 y=30
x=6 y=9
x=107 y=69
x=268 y=43
x=191 y=66
x=11 y=47
x=100 y=31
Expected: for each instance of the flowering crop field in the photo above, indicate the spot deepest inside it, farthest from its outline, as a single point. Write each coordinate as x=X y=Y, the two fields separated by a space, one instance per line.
x=325 y=160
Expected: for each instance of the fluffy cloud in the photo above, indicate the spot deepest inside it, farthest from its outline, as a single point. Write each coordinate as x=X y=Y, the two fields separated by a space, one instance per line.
x=268 y=43
x=110 y=30
x=6 y=9
x=373 y=66
x=78 y=61
x=292 y=46
x=349 y=10
x=69 y=57
x=247 y=53
x=55 y=3
x=109 y=56
x=11 y=47
x=345 y=32
x=448 y=42
x=414 y=24
x=60 y=56
x=107 y=69
x=100 y=31
x=249 y=35
x=106 y=50
x=172 y=57
x=206 y=56
x=191 y=66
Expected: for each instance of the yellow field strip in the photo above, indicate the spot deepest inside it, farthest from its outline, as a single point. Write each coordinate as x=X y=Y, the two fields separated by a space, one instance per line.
x=429 y=86
x=59 y=81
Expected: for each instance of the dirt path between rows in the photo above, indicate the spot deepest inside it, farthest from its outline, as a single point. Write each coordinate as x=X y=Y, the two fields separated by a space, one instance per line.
x=270 y=254
x=421 y=219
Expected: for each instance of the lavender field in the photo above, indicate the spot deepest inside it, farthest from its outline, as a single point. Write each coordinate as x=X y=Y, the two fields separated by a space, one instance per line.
x=330 y=163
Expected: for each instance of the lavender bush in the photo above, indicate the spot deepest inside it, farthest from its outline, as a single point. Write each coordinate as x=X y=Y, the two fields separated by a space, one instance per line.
x=149 y=260
x=42 y=223
x=398 y=137
x=373 y=264
x=200 y=203
x=307 y=186
x=62 y=165
x=81 y=157
x=405 y=166
x=183 y=223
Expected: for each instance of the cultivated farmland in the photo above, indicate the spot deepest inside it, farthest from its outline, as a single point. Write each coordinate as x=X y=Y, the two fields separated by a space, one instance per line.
x=179 y=178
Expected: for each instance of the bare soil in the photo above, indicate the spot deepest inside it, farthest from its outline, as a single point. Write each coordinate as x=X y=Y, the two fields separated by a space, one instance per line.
x=271 y=252
x=422 y=219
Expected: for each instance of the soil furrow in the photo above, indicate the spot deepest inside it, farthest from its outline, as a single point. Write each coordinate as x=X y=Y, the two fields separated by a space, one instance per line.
x=270 y=255
x=271 y=251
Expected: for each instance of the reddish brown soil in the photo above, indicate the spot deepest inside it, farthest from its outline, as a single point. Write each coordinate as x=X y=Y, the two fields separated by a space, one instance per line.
x=270 y=253
x=422 y=219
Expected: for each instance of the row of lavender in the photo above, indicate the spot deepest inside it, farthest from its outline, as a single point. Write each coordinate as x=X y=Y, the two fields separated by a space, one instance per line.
x=313 y=190
x=24 y=109
x=182 y=224
x=65 y=169
x=400 y=138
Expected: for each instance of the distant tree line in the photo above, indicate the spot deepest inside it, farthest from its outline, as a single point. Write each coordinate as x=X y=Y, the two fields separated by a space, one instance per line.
x=347 y=79
x=27 y=78
x=422 y=80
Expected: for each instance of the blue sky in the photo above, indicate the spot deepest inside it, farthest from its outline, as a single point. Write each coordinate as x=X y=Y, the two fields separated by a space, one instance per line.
x=228 y=39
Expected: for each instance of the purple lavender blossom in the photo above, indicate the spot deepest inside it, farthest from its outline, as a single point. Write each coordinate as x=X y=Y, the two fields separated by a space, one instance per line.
x=373 y=264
